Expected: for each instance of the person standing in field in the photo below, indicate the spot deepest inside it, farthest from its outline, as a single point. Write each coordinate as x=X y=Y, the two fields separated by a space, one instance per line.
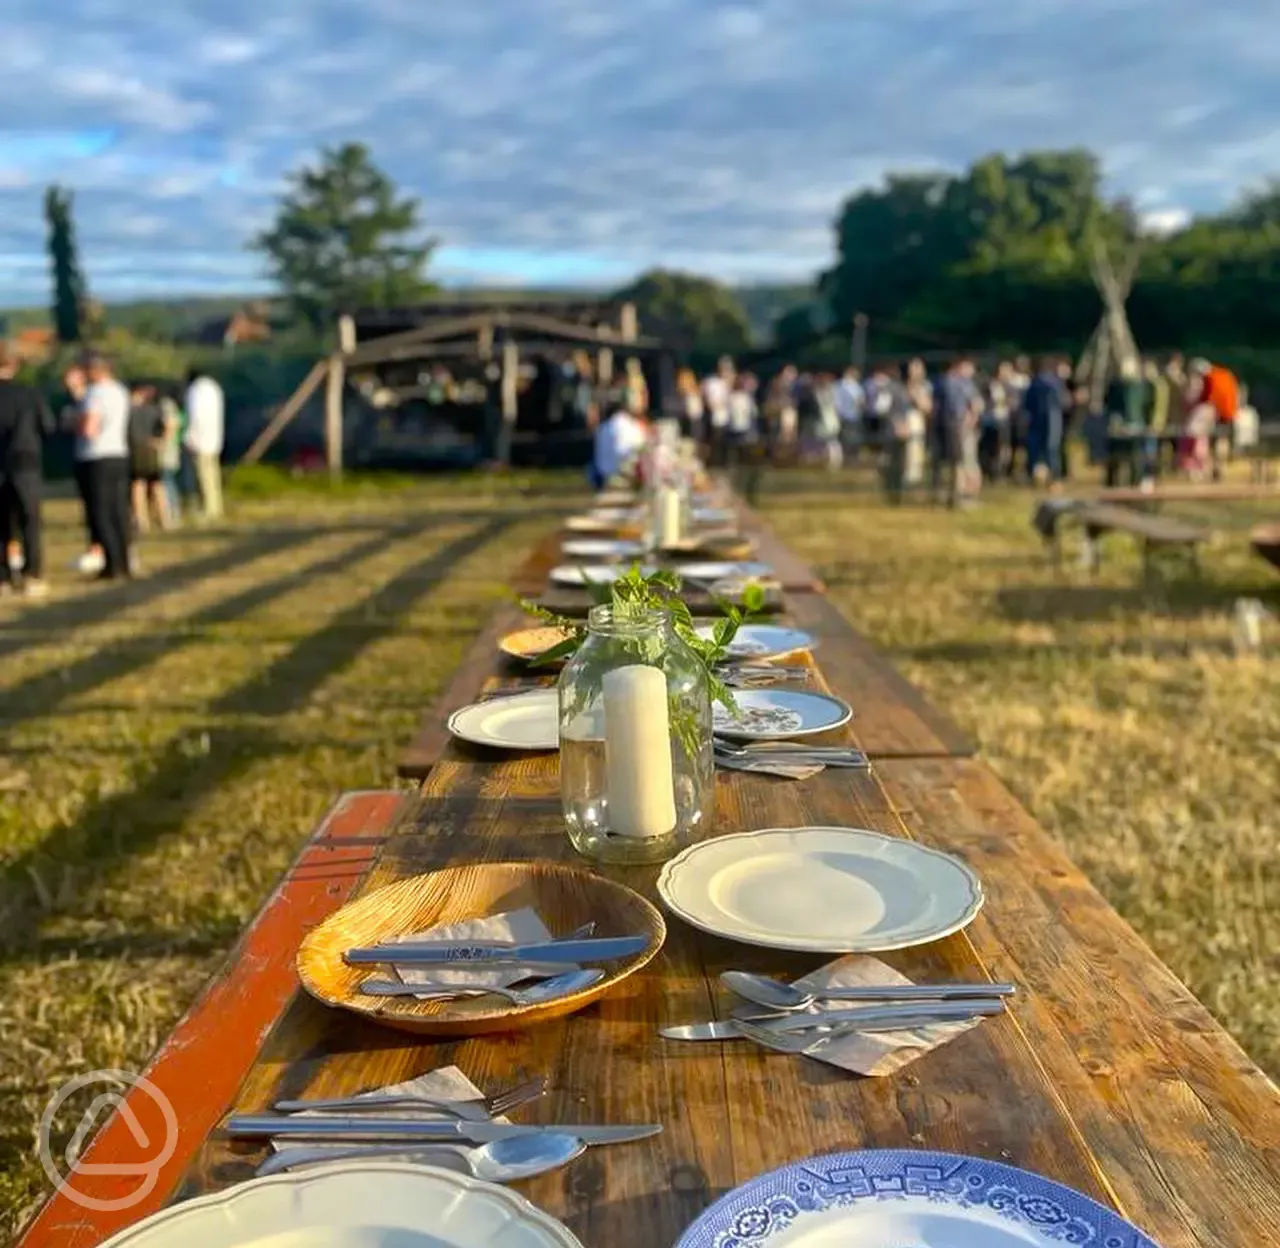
x=919 y=411
x=204 y=438
x=25 y=422
x=955 y=434
x=103 y=448
x=716 y=390
x=146 y=446
x=1044 y=405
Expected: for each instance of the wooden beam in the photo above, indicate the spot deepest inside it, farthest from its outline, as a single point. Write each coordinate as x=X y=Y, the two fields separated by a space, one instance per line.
x=628 y=323
x=604 y=365
x=346 y=335
x=377 y=349
x=510 y=398
x=484 y=342
x=292 y=406
x=333 y=415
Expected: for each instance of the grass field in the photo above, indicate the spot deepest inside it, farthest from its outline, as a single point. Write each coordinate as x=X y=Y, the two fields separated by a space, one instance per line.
x=165 y=747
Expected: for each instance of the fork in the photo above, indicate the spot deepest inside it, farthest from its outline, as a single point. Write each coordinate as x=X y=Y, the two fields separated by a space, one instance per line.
x=830 y=756
x=802 y=1044
x=497 y=1104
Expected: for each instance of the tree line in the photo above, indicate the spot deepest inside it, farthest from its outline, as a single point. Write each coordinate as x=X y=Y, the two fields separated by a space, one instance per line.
x=995 y=256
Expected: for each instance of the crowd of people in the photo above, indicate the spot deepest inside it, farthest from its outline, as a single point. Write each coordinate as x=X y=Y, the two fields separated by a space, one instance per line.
x=142 y=453
x=946 y=431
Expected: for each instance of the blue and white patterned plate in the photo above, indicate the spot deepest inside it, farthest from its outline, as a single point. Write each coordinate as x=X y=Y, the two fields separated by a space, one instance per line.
x=907 y=1199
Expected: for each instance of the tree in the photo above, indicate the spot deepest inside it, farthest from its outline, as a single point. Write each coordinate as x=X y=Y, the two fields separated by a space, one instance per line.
x=69 y=299
x=344 y=238
x=704 y=314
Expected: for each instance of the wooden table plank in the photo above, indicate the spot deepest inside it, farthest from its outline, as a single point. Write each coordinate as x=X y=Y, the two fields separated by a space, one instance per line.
x=1162 y=1095
x=204 y=1060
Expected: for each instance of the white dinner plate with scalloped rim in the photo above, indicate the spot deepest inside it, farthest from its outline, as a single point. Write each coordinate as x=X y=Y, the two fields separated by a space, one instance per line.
x=594 y=574
x=602 y=548
x=821 y=890
x=524 y=721
x=367 y=1204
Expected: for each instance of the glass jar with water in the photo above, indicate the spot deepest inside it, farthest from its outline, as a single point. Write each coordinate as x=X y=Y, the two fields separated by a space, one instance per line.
x=637 y=774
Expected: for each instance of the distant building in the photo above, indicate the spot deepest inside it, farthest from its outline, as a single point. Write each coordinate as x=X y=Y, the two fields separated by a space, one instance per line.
x=34 y=346
x=248 y=325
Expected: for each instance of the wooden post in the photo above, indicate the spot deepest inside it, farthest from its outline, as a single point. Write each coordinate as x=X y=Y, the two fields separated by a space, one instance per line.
x=333 y=415
x=484 y=341
x=346 y=335
x=859 y=353
x=604 y=366
x=628 y=323
x=510 y=399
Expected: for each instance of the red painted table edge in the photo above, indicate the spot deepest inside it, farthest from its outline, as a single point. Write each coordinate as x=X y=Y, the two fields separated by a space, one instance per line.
x=203 y=1062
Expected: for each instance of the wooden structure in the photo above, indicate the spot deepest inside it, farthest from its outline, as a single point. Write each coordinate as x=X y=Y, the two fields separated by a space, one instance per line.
x=1112 y=344
x=371 y=342
x=1098 y=519
x=1106 y=1074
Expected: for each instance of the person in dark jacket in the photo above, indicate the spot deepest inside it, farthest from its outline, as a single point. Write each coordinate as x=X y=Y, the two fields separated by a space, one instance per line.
x=25 y=422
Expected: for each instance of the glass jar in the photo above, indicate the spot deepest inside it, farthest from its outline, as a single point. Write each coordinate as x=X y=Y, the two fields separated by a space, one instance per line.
x=654 y=808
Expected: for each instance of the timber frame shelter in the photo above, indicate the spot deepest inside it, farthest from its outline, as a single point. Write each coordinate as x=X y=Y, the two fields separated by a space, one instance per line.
x=486 y=332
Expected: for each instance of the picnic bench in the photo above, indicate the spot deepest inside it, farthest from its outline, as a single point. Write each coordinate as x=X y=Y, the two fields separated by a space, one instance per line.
x=1154 y=532
x=1106 y=1074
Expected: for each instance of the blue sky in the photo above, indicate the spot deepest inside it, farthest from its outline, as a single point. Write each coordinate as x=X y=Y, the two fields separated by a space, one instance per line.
x=562 y=141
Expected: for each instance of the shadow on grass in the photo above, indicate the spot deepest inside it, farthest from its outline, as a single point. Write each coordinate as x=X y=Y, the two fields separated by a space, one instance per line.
x=37 y=696
x=120 y=826
x=37 y=626
x=1183 y=598
x=1002 y=651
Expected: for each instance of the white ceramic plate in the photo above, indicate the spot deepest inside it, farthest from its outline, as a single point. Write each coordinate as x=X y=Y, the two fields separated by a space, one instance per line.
x=614 y=498
x=713 y=515
x=762 y=641
x=367 y=1204
x=883 y=1199
x=779 y=715
x=596 y=574
x=602 y=548
x=722 y=571
x=821 y=890
x=524 y=721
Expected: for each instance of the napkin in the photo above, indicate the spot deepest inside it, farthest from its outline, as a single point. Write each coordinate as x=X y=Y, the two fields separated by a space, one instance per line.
x=447 y=1083
x=519 y=926
x=771 y=767
x=873 y=1053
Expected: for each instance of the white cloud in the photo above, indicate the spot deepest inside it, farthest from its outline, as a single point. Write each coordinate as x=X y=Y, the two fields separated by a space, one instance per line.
x=709 y=134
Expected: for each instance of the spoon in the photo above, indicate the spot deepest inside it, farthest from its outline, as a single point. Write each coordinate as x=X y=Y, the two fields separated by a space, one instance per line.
x=545 y=990
x=500 y=1161
x=777 y=995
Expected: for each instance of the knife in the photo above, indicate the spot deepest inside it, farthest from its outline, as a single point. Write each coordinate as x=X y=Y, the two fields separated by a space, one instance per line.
x=888 y=1018
x=334 y=1127
x=433 y=953
x=885 y=1017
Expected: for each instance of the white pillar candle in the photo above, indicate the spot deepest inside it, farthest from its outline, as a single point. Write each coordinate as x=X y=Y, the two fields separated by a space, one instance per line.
x=668 y=517
x=637 y=752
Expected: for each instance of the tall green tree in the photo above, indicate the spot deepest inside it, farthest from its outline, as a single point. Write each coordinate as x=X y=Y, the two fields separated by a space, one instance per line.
x=703 y=313
x=69 y=297
x=344 y=238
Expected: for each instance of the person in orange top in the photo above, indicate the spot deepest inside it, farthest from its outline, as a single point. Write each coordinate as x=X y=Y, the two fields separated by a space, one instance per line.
x=1220 y=391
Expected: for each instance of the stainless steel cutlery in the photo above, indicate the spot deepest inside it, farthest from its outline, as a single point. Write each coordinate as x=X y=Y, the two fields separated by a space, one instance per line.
x=499 y=1103
x=776 y=995
x=489 y=953
x=367 y=1127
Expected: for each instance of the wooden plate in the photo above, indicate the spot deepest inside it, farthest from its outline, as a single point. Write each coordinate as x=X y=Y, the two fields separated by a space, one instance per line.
x=564 y=897
x=528 y=643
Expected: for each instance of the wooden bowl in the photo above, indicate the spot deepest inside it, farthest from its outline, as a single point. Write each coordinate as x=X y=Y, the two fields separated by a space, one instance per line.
x=564 y=898
x=527 y=643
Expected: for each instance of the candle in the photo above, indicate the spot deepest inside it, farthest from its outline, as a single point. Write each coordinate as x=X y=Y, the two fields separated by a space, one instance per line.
x=637 y=752
x=668 y=517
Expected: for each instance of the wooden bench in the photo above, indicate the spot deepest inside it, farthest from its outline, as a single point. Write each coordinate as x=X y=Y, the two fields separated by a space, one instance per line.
x=1097 y=519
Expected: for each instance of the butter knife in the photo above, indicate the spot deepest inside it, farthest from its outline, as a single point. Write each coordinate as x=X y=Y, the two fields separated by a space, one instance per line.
x=363 y=1127
x=434 y=953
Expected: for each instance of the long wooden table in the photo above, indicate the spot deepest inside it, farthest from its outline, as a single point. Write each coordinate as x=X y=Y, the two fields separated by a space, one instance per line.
x=1106 y=1074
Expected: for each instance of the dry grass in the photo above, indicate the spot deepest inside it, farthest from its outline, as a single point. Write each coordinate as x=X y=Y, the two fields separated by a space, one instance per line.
x=1119 y=714
x=165 y=748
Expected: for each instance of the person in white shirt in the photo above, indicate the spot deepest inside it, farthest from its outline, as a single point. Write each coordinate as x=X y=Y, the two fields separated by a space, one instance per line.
x=716 y=391
x=102 y=450
x=203 y=442
x=618 y=440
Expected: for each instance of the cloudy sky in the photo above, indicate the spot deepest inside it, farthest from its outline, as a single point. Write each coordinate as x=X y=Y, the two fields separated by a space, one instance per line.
x=561 y=141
